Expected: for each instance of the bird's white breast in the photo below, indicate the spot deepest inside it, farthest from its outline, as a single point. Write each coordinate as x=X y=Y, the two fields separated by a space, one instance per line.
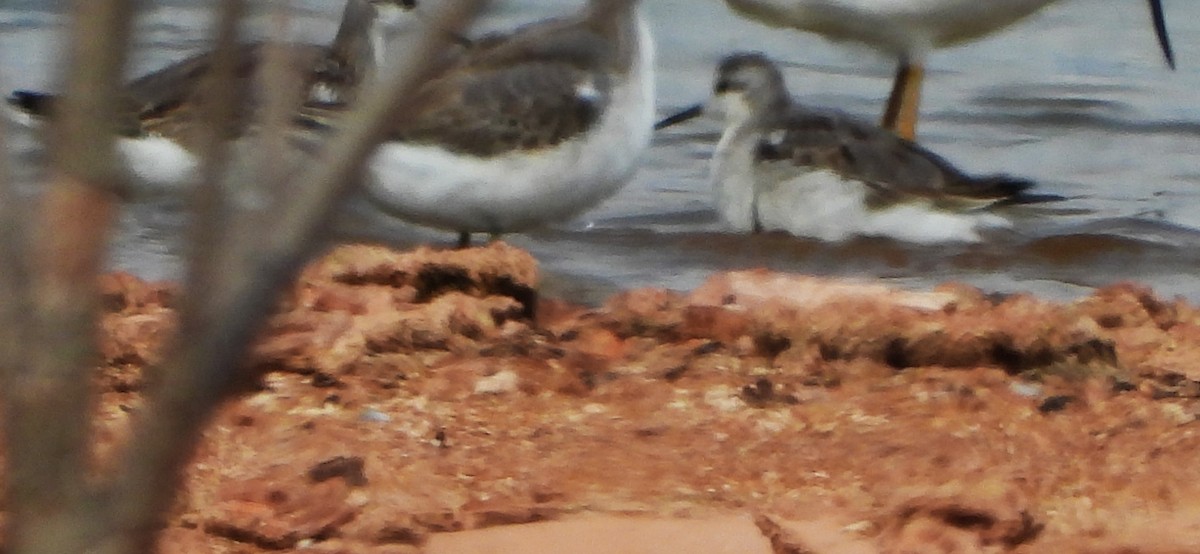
x=152 y=165
x=821 y=204
x=21 y=117
x=522 y=189
x=157 y=165
x=732 y=174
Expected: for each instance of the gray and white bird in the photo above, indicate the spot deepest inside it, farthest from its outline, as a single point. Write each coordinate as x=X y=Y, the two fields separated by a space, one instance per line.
x=781 y=166
x=159 y=110
x=524 y=129
x=908 y=30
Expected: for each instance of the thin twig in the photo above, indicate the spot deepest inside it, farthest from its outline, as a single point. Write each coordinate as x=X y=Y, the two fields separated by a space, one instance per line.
x=49 y=401
x=14 y=278
x=281 y=79
x=218 y=108
x=201 y=367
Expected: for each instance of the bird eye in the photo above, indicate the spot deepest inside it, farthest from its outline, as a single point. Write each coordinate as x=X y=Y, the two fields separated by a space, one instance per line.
x=723 y=85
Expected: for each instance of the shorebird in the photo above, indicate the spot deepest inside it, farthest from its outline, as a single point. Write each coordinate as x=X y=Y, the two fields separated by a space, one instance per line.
x=159 y=109
x=908 y=29
x=523 y=129
x=780 y=166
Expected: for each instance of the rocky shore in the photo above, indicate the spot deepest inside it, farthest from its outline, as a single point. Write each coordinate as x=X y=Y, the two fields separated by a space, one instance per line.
x=430 y=401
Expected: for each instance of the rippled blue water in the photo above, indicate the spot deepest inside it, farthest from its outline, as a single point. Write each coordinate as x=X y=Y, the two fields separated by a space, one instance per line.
x=1076 y=98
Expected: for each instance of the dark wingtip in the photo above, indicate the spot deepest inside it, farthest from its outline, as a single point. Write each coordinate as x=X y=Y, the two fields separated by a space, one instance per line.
x=686 y=114
x=36 y=103
x=1160 y=31
x=1005 y=185
x=1015 y=191
x=1027 y=198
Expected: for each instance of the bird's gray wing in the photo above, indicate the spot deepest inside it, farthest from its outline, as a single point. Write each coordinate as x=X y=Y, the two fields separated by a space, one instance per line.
x=166 y=99
x=532 y=88
x=488 y=111
x=893 y=168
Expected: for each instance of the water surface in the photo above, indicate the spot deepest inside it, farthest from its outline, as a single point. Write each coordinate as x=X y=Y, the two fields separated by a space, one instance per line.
x=1076 y=98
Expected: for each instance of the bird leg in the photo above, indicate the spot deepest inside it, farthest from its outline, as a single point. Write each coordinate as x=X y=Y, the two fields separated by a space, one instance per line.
x=905 y=100
x=464 y=239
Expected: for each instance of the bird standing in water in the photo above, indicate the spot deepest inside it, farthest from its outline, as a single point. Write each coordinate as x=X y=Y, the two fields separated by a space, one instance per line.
x=158 y=116
x=524 y=129
x=908 y=29
x=781 y=166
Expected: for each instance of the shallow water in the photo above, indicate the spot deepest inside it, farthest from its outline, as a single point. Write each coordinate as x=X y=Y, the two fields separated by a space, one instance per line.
x=1076 y=98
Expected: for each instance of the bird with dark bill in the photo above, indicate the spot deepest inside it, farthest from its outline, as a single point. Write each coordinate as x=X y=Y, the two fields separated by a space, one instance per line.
x=782 y=166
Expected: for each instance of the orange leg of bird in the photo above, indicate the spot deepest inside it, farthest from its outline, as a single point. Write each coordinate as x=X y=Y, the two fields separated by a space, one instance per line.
x=905 y=101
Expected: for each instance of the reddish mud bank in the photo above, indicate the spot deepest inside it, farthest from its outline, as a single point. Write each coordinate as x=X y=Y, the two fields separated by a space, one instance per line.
x=430 y=402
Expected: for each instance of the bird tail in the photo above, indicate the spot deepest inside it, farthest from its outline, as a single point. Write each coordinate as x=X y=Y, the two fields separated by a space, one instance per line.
x=38 y=104
x=1005 y=190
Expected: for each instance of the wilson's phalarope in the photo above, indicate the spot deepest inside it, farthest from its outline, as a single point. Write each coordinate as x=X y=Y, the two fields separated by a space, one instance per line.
x=526 y=128
x=908 y=29
x=160 y=109
x=782 y=166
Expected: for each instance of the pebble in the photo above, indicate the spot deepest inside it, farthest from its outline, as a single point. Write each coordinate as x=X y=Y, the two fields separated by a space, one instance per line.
x=1027 y=390
x=373 y=415
x=502 y=382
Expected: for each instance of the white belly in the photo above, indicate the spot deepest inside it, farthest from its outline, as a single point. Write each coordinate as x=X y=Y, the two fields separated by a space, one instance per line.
x=156 y=165
x=150 y=165
x=20 y=117
x=822 y=205
x=526 y=189
x=898 y=26
x=732 y=175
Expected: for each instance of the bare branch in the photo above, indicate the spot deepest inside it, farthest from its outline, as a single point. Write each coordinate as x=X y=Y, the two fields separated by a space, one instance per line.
x=48 y=402
x=218 y=105
x=281 y=79
x=14 y=278
x=198 y=374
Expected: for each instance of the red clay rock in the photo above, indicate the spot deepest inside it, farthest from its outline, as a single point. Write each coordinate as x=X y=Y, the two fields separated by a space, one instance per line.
x=558 y=316
x=645 y=312
x=851 y=413
x=1128 y=305
x=726 y=324
x=136 y=339
x=597 y=342
x=123 y=292
x=762 y=288
x=429 y=270
x=967 y=518
x=274 y=512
